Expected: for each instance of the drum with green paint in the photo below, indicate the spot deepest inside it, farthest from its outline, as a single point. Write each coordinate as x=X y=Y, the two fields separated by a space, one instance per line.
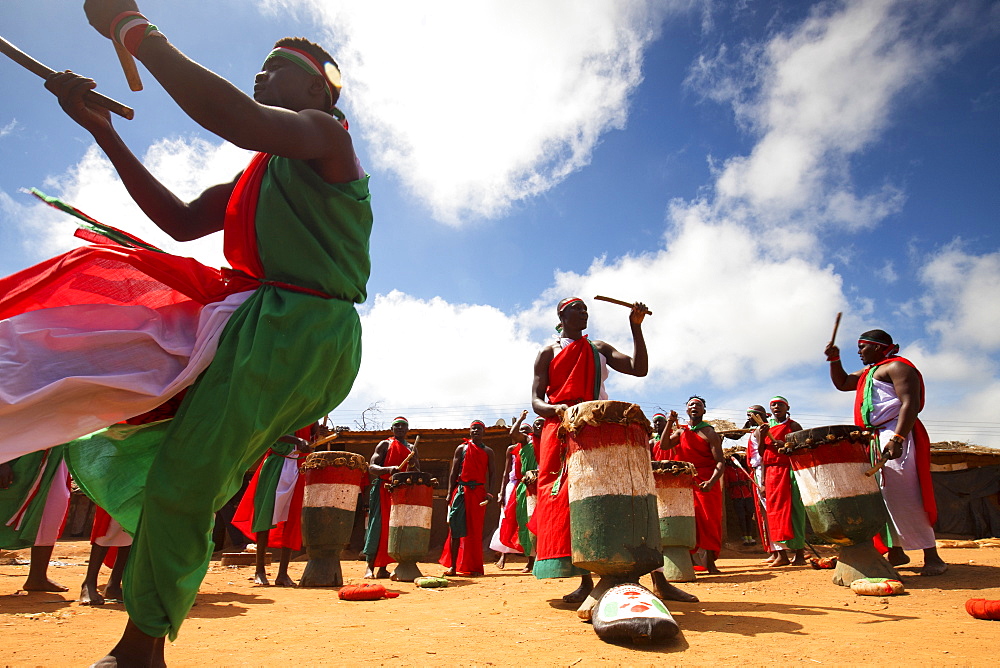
x=333 y=481
x=412 y=496
x=675 y=483
x=614 y=524
x=843 y=502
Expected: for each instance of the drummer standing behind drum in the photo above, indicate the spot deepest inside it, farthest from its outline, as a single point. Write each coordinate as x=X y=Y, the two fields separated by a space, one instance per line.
x=567 y=373
x=385 y=461
x=786 y=516
x=889 y=393
x=698 y=443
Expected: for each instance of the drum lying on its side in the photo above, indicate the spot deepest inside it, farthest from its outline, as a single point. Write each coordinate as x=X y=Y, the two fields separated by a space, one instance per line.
x=675 y=483
x=614 y=523
x=412 y=496
x=333 y=481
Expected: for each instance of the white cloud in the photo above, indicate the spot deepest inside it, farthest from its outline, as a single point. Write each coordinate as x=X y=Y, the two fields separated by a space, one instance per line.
x=816 y=96
x=965 y=290
x=9 y=128
x=479 y=105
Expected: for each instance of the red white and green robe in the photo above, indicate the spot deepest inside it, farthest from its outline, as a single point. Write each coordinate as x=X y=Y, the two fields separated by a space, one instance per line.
x=273 y=499
x=906 y=482
x=276 y=345
x=786 y=515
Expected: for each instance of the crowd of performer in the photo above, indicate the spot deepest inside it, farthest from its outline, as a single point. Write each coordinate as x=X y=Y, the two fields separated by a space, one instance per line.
x=159 y=429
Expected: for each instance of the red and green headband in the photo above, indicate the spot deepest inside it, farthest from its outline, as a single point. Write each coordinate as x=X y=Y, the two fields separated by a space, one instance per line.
x=328 y=71
x=400 y=420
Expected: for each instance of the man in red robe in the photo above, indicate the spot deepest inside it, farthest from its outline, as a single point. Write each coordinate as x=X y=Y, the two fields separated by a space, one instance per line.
x=786 y=516
x=570 y=371
x=469 y=487
x=889 y=393
x=698 y=443
x=387 y=459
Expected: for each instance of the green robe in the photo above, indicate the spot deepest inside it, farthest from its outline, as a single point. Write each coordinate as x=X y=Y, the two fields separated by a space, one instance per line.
x=285 y=359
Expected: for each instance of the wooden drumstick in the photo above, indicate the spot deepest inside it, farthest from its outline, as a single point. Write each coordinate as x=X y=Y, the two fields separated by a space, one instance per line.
x=413 y=451
x=325 y=440
x=35 y=67
x=878 y=466
x=612 y=300
x=836 y=325
x=758 y=419
x=128 y=67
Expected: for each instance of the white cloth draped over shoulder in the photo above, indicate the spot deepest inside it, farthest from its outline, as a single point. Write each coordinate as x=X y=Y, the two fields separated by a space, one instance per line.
x=900 y=477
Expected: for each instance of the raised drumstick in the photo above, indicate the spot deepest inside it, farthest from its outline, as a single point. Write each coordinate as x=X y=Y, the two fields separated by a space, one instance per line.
x=128 y=67
x=32 y=65
x=836 y=326
x=619 y=302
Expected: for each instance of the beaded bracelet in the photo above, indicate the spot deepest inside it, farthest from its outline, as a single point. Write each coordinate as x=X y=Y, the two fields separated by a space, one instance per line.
x=130 y=28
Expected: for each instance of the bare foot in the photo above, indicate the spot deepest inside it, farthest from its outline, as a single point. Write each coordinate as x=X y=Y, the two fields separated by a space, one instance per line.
x=897 y=557
x=42 y=584
x=502 y=561
x=369 y=574
x=934 y=568
x=89 y=595
x=383 y=574
x=283 y=580
x=135 y=648
x=799 y=559
x=782 y=560
x=668 y=592
x=261 y=579
x=579 y=595
x=113 y=592
x=450 y=573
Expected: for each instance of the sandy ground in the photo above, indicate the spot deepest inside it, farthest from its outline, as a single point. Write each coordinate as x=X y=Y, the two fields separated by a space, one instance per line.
x=747 y=615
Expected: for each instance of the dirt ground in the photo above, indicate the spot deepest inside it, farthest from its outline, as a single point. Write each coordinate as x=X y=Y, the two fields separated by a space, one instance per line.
x=747 y=615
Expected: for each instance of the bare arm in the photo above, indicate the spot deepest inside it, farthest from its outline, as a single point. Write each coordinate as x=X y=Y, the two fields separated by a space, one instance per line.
x=490 y=471
x=906 y=382
x=6 y=475
x=841 y=379
x=455 y=470
x=182 y=221
x=375 y=467
x=638 y=364
x=715 y=443
x=515 y=431
x=506 y=472
x=541 y=383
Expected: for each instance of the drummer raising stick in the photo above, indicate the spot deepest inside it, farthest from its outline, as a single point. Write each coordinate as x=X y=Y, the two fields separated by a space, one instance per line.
x=570 y=371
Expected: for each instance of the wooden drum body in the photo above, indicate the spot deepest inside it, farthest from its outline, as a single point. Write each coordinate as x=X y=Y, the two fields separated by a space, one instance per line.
x=614 y=522
x=412 y=496
x=843 y=504
x=675 y=482
x=333 y=481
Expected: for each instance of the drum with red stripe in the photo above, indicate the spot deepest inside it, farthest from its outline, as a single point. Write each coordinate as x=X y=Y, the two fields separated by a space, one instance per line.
x=843 y=503
x=333 y=482
x=675 y=482
x=412 y=496
x=614 y=523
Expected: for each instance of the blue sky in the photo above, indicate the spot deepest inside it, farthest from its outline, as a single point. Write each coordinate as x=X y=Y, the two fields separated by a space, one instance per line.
x=747 y=169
